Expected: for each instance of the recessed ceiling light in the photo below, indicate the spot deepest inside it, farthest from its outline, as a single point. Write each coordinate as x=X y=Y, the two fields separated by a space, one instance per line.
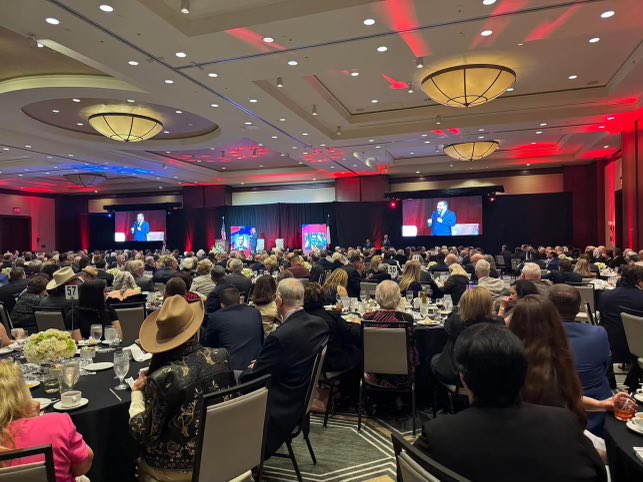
x=594 y=40
x=131 y=101
x=70 y=155
x=248 y=123
x=382 y=48
x=166 y=132
x=607 y=14
x=268 y=40
x=213 y=75
x=39 y=45
x=510 y=89
x=304 y=133
x=601 y=127
x=369 y=21
x=332 y=167
x=224 y=168
x=539 y=132
x=528 y=164
x=133 y=62
x=520 y=44
x=79 y=124
x=75 y=100
x=424 y=135
x=480 y=137
x=378 y=147
x=314 y=178
x=294 y=147
x=374 y=101
x=181 y=55
x=481 y=130
x=412 y=153
x=611 y=117
x=488 y=2
x=179 y=112
x=253 y=101
x=292 y=62
x=55 y=111
x=6 y=149
x=260 y=165
x=52 y=21
x=28 y=146
x=533 y=142
x=168 y=81
x=606 y=147
x=371 y=140
x=282 y=120
x=354 y=74
x=427 y=142
x=106 y=8
x=20 y=175
x=543 y=124
x=275 y=137
x=572 y=77
x=417 y=172
x=486 y=33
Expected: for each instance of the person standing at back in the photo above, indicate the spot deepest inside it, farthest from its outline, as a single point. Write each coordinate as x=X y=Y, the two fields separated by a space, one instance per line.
x=288 y=355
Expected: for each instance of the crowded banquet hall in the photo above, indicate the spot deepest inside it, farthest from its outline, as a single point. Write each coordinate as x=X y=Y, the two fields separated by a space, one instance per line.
x=321 y=240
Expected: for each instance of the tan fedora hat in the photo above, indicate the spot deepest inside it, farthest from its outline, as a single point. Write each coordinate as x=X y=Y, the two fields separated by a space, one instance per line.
x=174 y=324
x=61 y=276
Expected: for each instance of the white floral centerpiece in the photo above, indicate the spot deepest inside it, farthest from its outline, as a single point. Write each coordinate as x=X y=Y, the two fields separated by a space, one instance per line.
x=600 y=266
x=247 y=272
x=114 y=271
x=49 y=346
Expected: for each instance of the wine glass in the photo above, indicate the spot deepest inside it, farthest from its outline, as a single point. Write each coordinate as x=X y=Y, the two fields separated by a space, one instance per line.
x=69 y=375
x=409 y=297
x=111 y=335
x=96 y=333
x=338 y=297
x=121 y=367
x=363 y=296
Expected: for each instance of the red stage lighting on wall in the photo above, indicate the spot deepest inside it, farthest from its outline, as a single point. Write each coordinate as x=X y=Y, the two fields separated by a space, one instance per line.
x=392 y=204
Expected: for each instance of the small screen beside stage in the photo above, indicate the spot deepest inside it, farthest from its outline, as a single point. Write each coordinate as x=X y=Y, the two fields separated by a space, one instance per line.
x=140 y=226
x=243 y=238
x=455 y=216
x=314 y=236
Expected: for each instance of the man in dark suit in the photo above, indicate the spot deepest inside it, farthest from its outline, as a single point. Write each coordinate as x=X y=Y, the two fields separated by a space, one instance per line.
x=499 y=438
x=355 y=268
x=16 y=285
x=317 y=270
x=236 y=279
x=442 y=220
x=237 y=328
x=167 y=272
x=288 y=355
x=102 y=273
x=324 y=260
x=213 y=301
x=140 y=229
x=565 y=273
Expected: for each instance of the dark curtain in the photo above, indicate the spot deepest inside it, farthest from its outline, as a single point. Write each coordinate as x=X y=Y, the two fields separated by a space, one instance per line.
x=292 y=216
x=15 y=233
x=354 y=222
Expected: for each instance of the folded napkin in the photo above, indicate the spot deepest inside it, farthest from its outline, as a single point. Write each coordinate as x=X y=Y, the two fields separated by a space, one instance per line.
x=639 y=452
x=138 y=354
x=130 y=382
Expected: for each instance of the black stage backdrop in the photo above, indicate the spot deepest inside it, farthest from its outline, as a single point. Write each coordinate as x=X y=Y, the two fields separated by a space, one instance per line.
x=534 y=218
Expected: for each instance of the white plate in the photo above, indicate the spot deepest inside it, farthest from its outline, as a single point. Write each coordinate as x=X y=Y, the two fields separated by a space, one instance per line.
x=106 y=343
x=634 y=428
x=639 y=397
x=44 y=402
x=97 y=367
x=5 y=350
x=32 y=383
x=59 y=405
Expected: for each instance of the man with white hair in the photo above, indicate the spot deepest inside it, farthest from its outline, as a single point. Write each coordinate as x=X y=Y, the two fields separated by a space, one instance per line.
x=531 y=272
x=288 y=355
x=496 y=286
x=236 y=279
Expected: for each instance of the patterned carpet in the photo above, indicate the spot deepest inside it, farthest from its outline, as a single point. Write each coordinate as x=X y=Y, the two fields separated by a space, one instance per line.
x=343 y=453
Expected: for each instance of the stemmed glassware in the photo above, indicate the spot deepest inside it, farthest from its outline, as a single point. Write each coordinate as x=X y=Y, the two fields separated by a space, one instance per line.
x=96 y=333
x=121 y=367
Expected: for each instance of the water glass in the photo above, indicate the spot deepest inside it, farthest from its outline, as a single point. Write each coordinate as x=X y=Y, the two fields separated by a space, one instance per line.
x=111 y=335
x=96 y=333
x=424 y=309
x=363 y=295
x=121 y=367
x=346 y=303
x=353 y=304
x=18 y=333
x=338 y=297
x=448 y=302
x=86 y=355
x=51 y=382
x=69 y=375
x=409 y=296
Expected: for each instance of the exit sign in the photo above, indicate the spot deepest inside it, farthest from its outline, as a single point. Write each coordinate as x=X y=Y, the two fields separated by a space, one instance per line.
x=16 y=210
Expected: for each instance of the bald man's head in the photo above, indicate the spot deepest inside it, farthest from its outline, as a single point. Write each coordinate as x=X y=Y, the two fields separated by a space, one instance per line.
x=475 y=258
x=450 y=259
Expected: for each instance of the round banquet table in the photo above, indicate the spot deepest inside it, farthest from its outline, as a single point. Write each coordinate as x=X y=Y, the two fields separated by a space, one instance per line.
x=624 y=465
x=104 y=422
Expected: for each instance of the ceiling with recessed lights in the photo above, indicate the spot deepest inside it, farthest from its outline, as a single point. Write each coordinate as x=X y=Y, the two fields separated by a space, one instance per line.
x=259 y=92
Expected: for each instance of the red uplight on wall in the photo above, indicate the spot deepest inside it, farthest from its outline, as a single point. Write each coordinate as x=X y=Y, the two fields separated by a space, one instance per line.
x=16 y=211
x=392 y=204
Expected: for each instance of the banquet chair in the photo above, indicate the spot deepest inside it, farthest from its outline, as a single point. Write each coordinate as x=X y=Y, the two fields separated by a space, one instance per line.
x=159 y=287
x=587 y=302
x=231 y=438
x=49 y=318
x=415 y=466
x=633 y=326
x=500 y=263
x=368 y=287
x=515 y=264
x=33 y=472
x=385 y=352
x=5 y=318
x=304 y=425
x=131 y=316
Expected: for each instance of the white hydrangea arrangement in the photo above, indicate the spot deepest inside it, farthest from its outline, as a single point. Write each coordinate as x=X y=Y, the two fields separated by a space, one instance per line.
x=247 y=272
x=49 y=346
x=600 y=266
x=114 y=271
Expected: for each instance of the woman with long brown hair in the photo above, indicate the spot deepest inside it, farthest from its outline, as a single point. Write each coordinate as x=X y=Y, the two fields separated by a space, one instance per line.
x=551 y=374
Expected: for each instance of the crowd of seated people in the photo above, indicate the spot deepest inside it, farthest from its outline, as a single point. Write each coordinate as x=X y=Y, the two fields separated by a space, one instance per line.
x=266 y=314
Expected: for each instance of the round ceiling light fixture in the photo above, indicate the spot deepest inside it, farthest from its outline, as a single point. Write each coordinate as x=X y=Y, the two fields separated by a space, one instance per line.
x=85 y=179
x=125 y=127
x=467 y=86
x=471 y=151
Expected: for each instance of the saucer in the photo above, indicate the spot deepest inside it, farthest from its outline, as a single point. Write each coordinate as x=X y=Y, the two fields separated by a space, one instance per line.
x=59 y=405
x=44 y=402
x=97 y=367
x=634 y=428
x=5 y=350
x=32 y=383
x=639 y=397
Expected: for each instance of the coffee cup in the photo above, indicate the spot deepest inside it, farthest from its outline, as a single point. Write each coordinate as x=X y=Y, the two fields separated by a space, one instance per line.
x=638 y=420
x=71 y=398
